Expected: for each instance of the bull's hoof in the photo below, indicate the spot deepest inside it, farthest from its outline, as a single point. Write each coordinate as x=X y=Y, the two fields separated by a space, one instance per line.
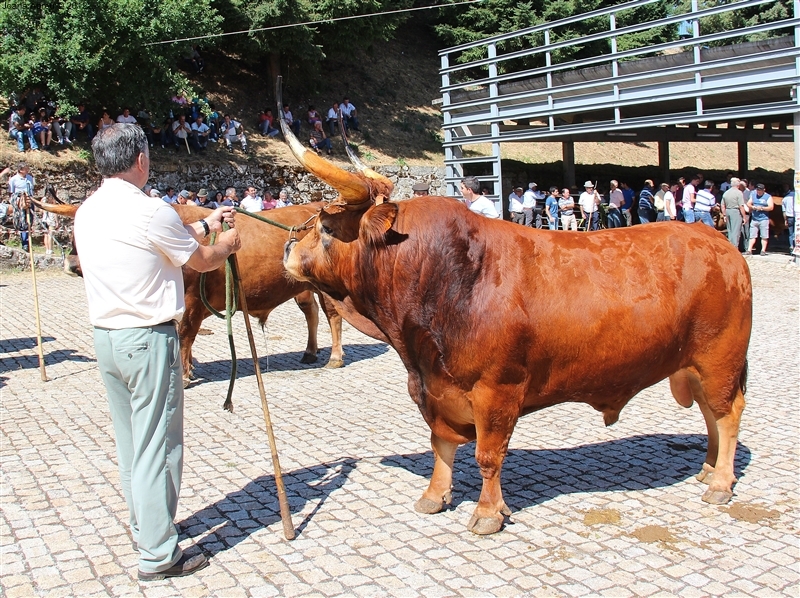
x=308 y=358
x=717 y=497
x=428 y=506
x=335 y=363
x=483 y=526
x=186 y=382
x=706 y=474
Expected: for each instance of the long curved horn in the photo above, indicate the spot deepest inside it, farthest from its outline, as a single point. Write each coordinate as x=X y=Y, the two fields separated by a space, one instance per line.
x=65 y=210
x=356 y=161
x=351 y=187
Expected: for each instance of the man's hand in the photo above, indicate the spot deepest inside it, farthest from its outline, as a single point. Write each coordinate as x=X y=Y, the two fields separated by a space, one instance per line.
x=230 y=239
x=222 y=214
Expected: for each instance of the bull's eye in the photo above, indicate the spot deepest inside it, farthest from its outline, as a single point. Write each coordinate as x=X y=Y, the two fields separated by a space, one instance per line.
x=326 y=230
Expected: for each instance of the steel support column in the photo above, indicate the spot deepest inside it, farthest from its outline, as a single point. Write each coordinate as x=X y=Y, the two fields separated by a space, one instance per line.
x=663 y=160
x=568 y=158
x=743 y=158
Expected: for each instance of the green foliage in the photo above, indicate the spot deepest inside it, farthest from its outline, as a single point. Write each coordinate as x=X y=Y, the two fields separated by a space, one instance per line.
x=743 y=17
x=96 y=50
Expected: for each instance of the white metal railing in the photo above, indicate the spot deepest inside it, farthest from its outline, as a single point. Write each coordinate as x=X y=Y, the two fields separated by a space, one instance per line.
x=493 y=106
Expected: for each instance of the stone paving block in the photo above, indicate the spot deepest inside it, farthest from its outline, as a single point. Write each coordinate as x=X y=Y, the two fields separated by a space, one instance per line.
x=356 y=455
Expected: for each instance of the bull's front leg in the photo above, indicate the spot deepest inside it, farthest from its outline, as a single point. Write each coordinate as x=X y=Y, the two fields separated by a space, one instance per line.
x=493 y=428
x=308 y=305
x=440 y=489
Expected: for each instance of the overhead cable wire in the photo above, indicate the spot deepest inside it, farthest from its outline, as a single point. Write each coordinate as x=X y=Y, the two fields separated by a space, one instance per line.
x=372 y=14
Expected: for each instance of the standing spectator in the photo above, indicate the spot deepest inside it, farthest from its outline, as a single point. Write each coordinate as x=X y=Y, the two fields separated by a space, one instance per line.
x=251 y=201
x=615 y=200
x=82 y=121
x=350 y=116
x=134 y=290
x=788 y=215
x=538 y=207
x=475 y=200
x=20 y=188
x=744 y=187
x=566 y=206
x=589 y=202
x=551 y=208
x=318 y=140
x=200 y=133
x=421 y=189
x=661 y=204
x=333 y=118
x=760 y=203
x=728 y=183
x=529 y=204
x=678 y=193
x=126 y=118
x=20 y=128
x=647 y=208
x=670 y=204
x=290 y=120
x=688 y=199
x=180 y=132
x=732 y=206
x=232 y=130
x=515 y=206
x=627 y=207
x=704 y=201
x=265 y=124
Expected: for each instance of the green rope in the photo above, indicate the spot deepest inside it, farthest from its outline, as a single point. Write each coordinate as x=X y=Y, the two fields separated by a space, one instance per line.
x=267 y=220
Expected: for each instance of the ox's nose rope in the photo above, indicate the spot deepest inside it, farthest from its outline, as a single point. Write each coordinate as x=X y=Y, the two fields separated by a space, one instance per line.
x=291 y=229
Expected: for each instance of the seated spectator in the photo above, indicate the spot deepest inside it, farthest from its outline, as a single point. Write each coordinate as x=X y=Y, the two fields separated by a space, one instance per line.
x=58 y=126
x=231 y=199
x=204 y=200
x=171 y=196
x=200 y=133
x=294 y=123
x=185 y=198
x=212 y=120
x=155 y=193
x=180 y=133
x=232 y=130
x=34 y=100
x=42 y=132
x=219 y=198
x=105 y=121
x=251 y=201
x=265 y=121
x=127 y=118
x=333 y=118
x=349 y=115
x=195 y=59
x=82 y=121
x=20 y=128
x=313 y=116
x=283 y=199
x=319 y=140
x=269 y=202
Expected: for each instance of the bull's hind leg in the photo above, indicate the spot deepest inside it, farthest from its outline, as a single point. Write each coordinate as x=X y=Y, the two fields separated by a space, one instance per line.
x=440 y=490
x=308 y=305
x=335 y=322
x=684 y=385
x=722 y=415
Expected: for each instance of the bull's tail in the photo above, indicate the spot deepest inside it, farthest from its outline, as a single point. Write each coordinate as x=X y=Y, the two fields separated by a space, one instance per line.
x=743 y=377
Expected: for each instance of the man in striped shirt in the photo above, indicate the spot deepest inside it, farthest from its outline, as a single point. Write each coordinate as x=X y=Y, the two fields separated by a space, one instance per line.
x=704 y=201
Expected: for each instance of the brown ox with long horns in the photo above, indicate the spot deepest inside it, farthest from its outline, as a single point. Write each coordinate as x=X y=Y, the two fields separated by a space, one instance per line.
x=265 y=281
x=487 y=337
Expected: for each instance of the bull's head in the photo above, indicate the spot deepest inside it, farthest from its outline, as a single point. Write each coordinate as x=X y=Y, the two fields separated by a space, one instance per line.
x=72 y=264
x=328 y=246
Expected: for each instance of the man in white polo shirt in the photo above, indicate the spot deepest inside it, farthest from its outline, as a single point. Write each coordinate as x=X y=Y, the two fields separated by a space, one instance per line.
x=134 y=290
x=126 y=118
x=589 y=202
x=515 y=206
x=475 y=200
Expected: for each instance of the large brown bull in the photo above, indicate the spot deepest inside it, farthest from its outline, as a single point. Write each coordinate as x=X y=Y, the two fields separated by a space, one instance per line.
x=494 y=321
x=266 y=284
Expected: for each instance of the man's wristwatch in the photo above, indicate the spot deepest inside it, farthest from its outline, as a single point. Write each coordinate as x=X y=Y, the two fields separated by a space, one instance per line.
x=206 y=228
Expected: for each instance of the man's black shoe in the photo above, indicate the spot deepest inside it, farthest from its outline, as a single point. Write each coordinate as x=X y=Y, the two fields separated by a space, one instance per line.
x=185 y=566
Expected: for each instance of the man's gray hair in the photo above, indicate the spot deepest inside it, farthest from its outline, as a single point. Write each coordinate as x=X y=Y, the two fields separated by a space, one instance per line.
x=472 y=183
x=117 y=148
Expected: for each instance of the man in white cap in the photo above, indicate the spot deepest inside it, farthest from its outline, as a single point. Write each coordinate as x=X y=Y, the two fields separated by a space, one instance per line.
x=515 y=206
x=589 y=202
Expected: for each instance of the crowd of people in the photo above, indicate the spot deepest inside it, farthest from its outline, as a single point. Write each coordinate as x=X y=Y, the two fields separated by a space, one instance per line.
x=739 y=206
x=252 y=200
x=191 y=124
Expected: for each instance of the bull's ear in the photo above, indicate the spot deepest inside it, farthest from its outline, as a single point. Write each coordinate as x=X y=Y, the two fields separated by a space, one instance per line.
x=376 y=223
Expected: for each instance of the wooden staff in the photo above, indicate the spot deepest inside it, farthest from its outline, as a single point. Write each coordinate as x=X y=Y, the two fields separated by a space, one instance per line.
x=286 y=514
x=27 y=204
x=186 y=140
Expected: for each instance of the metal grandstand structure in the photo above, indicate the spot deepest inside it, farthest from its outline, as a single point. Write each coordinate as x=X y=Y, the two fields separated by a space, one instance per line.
x=736 y=85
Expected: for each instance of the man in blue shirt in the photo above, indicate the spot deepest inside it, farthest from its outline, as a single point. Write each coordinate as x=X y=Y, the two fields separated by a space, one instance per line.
x=760 y=204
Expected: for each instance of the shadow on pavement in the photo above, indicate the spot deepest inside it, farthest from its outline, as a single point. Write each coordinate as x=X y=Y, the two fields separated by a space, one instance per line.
x=220 y=370
x=8 y=345
x=532 y=477
x=246 y=511
x=27 y=362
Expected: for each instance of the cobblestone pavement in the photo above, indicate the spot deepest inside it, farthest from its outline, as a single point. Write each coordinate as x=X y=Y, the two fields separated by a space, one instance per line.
x=596 y=511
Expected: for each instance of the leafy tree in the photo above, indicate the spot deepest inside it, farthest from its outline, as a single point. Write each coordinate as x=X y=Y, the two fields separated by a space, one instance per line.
x=96 y=50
